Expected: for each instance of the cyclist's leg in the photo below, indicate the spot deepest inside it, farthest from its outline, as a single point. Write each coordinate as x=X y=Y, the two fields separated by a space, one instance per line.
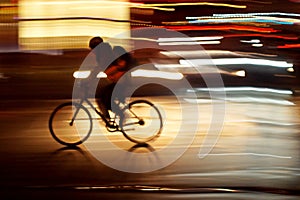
x=102 y=99
x=112 y=104
x=103 y=108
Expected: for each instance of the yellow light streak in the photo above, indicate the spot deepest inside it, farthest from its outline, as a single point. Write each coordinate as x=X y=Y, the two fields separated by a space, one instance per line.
x=240 y=73
x=193 y=4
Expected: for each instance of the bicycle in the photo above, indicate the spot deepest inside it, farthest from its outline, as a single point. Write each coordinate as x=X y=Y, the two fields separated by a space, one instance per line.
x=140 y=121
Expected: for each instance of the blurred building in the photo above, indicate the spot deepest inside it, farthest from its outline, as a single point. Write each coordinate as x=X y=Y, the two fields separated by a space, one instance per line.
x=56 y=24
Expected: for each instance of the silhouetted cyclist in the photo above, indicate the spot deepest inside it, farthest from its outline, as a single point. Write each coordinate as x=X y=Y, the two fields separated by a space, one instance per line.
x=122 y=62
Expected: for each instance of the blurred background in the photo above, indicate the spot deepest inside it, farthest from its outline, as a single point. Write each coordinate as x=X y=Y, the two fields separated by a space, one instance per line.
x=254 y=44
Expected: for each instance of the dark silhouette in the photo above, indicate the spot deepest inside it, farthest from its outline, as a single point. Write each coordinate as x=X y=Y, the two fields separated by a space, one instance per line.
x=115 y=62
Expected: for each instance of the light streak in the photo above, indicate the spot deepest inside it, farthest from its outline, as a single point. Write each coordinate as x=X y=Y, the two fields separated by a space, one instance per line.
x=289 y=46
x=192 y=4
x=157 y=74
x=85 y=74
x=245 y=89
x=223 y=28
x=188 y=43
x=177 y=39
x=257 y=14
x=257 y=45
x=82 y=74
x=212 y=53
x=101 y=75
x=290 y=69
x=239 y=20
x=285 y=19
x=251 y=41
x=239 y=61
x=240 y=73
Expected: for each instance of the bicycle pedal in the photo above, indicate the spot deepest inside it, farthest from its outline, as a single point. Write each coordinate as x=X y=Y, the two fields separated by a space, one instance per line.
x=112 y=124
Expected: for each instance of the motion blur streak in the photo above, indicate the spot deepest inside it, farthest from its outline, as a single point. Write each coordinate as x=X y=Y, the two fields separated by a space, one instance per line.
x=263 y=36
x=289 y=46
x=157 y=74
x=253 y=41
x=241 y=61
x=244 y=17
x=212 y=53
x=193 y=4
x=257 y=14
x=247 y=89
x=101 y=75
x=257 y=45
x=188 y=43
x=252 y=19
x=46 y=24
x=189 y=39
x=81 y=74
x=227 y=27
x=251 y=154
x=260 y=100
x=240 y=73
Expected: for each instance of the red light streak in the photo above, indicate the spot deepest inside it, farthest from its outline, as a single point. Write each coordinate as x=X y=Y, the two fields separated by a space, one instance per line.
x=289 y=46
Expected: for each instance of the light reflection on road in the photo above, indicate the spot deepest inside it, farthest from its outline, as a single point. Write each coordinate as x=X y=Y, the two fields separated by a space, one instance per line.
x=258 y=147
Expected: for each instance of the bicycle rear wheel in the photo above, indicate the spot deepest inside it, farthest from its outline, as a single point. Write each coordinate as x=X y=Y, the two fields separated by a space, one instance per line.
x=142 y=121
x=70 y=124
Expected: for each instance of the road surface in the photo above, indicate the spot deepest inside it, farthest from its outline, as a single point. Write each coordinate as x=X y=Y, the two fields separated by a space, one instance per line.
x=257 y=152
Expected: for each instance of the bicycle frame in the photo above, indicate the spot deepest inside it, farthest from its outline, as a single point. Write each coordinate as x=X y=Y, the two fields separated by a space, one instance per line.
x=86 y=100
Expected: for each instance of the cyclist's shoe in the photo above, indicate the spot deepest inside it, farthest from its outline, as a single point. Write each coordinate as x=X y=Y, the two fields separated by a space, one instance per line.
x=112 y=125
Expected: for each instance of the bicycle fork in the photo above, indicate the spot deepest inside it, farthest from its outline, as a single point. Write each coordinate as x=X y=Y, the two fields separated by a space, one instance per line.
x=75 y=114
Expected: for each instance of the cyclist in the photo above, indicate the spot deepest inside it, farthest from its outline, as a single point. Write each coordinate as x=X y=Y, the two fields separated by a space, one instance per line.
x=122 y=62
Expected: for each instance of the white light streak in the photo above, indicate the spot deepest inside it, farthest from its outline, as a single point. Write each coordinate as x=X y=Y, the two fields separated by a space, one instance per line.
x=257 y=45
x=239 y=61
x=157 y=74
x=101 y=75
x=272 y=17
x=188 y=43
x=290 y=69
x=189 y=39
x=247 y=89
x=257 y=14
x=253 y=41
x=212 y=53
x=81 y=74
x=240 y=73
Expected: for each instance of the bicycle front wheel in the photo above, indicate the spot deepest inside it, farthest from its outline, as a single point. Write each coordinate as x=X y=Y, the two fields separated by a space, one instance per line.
x=142 y=121
x=70 y=124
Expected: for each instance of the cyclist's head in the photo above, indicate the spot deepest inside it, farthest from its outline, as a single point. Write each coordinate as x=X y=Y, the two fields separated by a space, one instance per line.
x=95 y=41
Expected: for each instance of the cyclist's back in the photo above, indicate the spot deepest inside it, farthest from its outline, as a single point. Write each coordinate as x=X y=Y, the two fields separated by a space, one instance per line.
x=115 y=63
